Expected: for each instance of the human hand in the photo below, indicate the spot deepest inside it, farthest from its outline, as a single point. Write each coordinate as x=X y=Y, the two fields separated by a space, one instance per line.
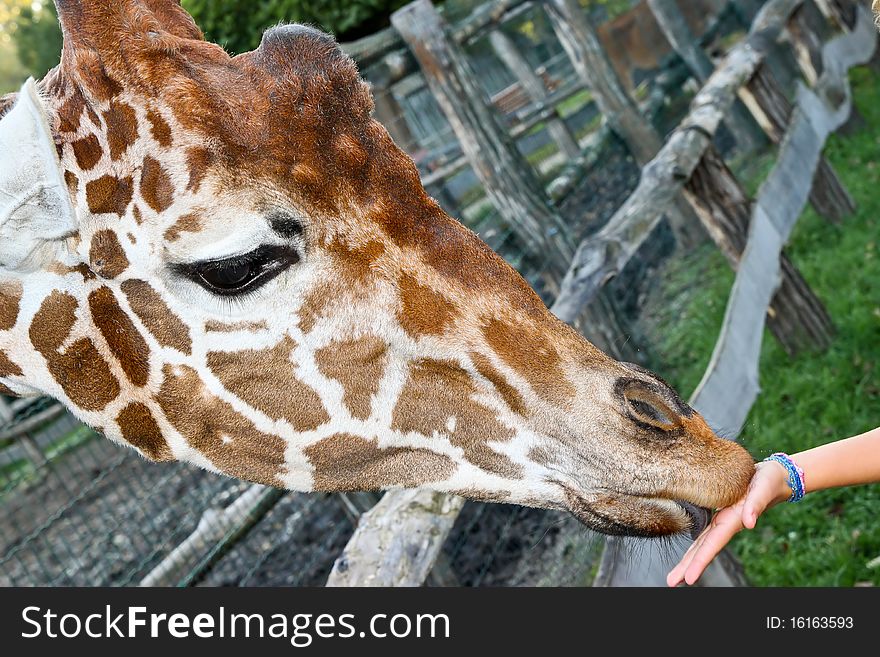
x=769 y=486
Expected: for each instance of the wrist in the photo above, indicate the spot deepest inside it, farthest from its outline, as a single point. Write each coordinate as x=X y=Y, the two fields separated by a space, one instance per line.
x=778 y=477
x=790 y=480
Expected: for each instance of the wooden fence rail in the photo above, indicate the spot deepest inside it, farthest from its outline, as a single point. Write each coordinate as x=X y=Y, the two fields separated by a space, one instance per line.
x=730 y=385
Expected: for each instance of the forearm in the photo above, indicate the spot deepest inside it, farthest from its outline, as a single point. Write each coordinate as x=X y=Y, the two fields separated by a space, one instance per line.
x=846 y=462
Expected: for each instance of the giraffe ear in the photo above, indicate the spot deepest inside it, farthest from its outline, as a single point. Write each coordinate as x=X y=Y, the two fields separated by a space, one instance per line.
x=35 y=206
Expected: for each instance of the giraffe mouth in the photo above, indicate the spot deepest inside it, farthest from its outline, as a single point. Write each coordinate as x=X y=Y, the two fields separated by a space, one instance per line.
x=619 y=514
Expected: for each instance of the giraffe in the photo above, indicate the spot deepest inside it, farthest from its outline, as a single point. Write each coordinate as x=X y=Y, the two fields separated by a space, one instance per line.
x=226 y=261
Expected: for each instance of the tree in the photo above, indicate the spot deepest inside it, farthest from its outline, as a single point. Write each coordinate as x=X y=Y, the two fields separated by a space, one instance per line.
x=37 y=36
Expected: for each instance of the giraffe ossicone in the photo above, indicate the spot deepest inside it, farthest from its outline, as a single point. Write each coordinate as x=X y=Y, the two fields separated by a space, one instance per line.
x=244 y=272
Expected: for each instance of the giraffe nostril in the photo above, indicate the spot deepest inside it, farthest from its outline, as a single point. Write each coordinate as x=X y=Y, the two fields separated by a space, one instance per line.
x=653 y=413
x=647 y=406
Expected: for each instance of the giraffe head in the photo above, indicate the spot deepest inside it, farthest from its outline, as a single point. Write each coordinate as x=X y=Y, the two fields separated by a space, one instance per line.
x=226 y=261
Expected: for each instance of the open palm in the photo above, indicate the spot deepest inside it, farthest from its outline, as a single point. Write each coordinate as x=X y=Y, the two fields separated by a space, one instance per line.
x=767 y=489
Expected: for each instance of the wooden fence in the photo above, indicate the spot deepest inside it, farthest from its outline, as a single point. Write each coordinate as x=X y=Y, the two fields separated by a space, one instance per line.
x=398 y=541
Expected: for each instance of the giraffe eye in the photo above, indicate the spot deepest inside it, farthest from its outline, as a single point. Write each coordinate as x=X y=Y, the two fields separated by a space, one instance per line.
x=240 y=274
x=228 y=276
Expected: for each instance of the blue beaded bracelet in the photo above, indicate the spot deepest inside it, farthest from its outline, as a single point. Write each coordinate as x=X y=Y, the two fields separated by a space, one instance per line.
x=795 y=475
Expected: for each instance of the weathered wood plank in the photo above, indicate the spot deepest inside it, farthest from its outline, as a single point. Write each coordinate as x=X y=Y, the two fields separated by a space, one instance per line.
x=605 y=254
x=731 y=382
x=511 y=57
x=584 y=48
x=486 y=17
x=214 y=525
x=677 y=31
x=797 y=318
x=508 y=179
x=398 y=540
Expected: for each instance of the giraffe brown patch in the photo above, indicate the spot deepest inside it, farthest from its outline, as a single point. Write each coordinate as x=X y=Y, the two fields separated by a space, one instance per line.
x=156 y=186
x=355 y=265
x=109 y=194
x=87 y=151
x=53 y=322
x=495 y=496
x=106 y=255
x=3 y=389
x=313 y=307
x=81 y=371
x=214 y=326
x=7 y=367
x=343 y=462
x=93 y=116
x=72 y=183
x=140 y=429
x=438 y=390
x=94 y=76
x=10 y=301
x=423 y=311
x=204 y=421
x=168 y=329
x=138 y=216
x=70 y=113
x=508 y=393
x=265 y=379
x=122 y=128
x=131 y=238
x=358 y=365
x=540 y=455
x=357 y=262
x=532 y=355
x=122 y=336
x=198 y=161
x=159 y=128
x=61 y=269
x=188 y=223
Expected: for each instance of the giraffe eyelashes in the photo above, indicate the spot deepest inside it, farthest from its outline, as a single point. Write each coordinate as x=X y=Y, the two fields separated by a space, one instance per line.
x=240 y=275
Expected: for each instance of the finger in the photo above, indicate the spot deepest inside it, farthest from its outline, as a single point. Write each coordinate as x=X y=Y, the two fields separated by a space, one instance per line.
x=676 y=575
x=720 y=536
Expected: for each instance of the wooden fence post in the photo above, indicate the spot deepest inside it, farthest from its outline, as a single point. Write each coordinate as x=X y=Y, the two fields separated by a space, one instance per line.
x=508 y=178
x=511 y=57
x=582 y=44
x=677 y=31
x=773 y=111
x=796 y=317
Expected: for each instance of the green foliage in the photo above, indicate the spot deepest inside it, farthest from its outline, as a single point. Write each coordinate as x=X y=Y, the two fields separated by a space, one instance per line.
x=830 y=537
x=12 y=73
x=37 y=37
x=238 y=24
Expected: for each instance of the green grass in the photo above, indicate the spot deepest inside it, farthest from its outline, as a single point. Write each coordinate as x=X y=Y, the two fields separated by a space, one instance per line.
x=829 y=538
x=573 y=103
